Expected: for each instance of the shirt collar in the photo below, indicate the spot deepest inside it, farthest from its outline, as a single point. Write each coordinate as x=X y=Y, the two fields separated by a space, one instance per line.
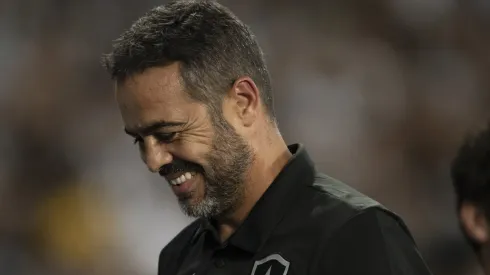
x=274 y=204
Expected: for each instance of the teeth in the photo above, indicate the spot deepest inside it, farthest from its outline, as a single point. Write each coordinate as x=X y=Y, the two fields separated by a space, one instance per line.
x=183 y=178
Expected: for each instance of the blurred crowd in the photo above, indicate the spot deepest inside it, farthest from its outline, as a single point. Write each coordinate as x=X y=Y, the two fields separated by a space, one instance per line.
x=381 y=92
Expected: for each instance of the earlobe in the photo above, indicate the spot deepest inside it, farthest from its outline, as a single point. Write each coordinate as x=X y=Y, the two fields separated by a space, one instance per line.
x=474 y=222
x=246 y=96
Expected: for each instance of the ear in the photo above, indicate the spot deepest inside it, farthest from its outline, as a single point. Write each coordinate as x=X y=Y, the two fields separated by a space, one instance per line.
x=245 y=97
x=474 y=222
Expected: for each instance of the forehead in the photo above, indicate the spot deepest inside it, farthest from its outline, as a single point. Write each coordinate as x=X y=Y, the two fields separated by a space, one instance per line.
x=154 y=95
x=154 y=85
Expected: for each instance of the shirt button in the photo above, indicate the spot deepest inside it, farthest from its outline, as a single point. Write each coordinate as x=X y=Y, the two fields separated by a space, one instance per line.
x=219 y=263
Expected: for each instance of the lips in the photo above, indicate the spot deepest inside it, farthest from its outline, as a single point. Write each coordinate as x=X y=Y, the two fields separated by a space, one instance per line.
x=181 y=175
x=182 y=184
x=180 y=178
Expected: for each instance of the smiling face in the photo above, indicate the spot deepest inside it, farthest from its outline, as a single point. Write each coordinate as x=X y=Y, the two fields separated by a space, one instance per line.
x=202 y=157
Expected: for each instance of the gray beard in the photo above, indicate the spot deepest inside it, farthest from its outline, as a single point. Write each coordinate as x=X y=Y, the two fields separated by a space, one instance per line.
x=229 y=161
x=203 y=209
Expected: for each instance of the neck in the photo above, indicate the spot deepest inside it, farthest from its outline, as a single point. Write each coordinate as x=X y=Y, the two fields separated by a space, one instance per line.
x=271 y=156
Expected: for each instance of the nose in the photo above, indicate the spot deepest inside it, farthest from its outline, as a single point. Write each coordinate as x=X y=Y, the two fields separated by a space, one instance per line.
x=155 y=155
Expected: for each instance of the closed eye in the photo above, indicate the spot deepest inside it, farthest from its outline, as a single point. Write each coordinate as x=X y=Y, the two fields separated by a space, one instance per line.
x=161 y=137
x=165 y=137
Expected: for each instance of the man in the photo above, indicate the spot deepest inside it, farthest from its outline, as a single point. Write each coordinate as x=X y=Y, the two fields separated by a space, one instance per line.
x=470 y=173
x=194 y=93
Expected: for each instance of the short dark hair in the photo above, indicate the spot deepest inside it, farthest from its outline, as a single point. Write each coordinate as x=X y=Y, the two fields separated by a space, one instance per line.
x=470 y=173
x=213 y=48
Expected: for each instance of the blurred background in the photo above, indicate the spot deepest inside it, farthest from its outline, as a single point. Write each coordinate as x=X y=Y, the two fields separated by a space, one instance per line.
x=381 y=92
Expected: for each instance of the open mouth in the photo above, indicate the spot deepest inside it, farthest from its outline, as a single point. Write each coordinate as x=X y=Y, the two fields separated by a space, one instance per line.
x=179 y=178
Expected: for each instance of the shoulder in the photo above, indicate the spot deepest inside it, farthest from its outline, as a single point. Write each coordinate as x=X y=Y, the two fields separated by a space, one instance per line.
x=336 y=203
x=171 y=254
x=355 y=226
x=375 y=241
x=332 y=191
x=327 y=205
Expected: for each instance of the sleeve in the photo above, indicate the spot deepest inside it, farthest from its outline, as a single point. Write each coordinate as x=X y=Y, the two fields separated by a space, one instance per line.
x=373 y=242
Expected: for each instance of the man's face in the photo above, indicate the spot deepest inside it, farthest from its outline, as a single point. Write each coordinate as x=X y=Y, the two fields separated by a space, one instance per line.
x=202 y=157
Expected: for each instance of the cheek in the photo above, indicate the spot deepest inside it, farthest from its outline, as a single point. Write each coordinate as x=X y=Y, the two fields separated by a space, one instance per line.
x=191 y=150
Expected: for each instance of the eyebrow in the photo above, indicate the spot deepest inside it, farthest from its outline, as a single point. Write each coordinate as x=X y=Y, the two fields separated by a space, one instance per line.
x=147 y=130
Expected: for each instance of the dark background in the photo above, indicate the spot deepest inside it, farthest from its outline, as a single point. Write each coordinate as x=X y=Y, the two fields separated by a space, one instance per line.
x=381 y=92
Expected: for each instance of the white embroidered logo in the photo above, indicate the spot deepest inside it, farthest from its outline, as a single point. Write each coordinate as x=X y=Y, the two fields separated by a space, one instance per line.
x=271 y=265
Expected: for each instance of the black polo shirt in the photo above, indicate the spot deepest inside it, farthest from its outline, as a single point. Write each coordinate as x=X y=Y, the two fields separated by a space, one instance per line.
x=306 y=223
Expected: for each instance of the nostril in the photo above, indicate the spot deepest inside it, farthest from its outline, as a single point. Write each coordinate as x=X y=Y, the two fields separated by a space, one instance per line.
x=153 y=169
x=156 y=158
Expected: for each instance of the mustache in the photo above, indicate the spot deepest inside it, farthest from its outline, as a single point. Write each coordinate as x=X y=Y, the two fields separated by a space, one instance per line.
x=178 y=166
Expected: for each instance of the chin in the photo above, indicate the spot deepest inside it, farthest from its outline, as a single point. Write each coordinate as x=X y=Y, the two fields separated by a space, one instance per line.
x=198 y=207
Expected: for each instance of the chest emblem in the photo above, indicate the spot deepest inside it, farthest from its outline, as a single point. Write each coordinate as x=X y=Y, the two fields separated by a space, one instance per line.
x=271 y=265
